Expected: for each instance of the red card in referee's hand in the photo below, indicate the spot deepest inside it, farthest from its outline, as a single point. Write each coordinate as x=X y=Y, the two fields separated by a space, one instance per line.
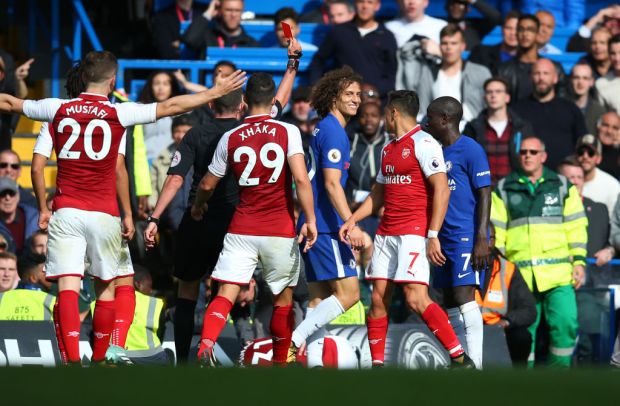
x=288 y=33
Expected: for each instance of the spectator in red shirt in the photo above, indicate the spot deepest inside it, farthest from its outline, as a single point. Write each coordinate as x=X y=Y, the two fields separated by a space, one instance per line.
x=499 y=129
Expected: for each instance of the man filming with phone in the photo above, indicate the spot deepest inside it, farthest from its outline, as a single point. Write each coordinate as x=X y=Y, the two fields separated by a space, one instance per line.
x=220 y=27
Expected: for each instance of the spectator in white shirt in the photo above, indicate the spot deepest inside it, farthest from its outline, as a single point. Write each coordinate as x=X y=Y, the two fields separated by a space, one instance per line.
x=599 y=186
x=413 y=21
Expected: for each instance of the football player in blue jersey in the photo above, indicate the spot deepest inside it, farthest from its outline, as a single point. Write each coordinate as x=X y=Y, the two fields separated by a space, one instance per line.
x=464 y=234
x=330 y=266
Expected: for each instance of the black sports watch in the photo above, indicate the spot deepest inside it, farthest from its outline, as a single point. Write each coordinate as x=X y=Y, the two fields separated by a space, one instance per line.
x=151 y=219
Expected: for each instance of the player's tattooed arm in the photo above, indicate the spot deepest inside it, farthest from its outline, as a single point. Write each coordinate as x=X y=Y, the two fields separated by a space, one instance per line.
x=11 y=104
x=441 y=198
x=349 y=231
x=306 y=200
x=172 y=184
x=480 y=257
x=203 y=194
x=188 y=102
x=122 y=191
x=38 y=185
x=288 y=80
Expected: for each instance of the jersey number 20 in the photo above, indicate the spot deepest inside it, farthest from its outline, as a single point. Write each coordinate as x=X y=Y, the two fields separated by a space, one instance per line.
x=66 y=153
x=276 y=164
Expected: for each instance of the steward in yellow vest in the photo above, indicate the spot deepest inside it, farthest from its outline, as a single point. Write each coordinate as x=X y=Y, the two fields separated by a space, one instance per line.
x=26 y=305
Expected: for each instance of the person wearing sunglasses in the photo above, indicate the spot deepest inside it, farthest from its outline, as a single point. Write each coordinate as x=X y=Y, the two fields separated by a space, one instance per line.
x=10 y=166
x=19 y=220
x=598 y=185
x=541 y=226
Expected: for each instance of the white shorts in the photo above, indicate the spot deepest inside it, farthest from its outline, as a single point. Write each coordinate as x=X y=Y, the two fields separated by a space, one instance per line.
x=77 y=237
x=277 y=256
x=400 y=259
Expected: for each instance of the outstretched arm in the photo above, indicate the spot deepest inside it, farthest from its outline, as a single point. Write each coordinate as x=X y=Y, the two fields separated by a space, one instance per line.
x=188 y=102
x=11 y=104
x=288 y=80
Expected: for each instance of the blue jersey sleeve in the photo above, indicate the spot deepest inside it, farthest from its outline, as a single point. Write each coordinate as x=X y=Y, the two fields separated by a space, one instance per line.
x=478 y=166
x=333 y=148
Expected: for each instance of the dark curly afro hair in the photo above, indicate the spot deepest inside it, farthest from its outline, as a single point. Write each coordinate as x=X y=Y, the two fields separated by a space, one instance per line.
x=326 y=91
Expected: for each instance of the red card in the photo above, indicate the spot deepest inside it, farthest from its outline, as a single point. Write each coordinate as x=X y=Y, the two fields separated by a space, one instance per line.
x=288 y=33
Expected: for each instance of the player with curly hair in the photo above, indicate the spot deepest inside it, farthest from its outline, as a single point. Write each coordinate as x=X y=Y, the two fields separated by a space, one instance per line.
x=330 y=265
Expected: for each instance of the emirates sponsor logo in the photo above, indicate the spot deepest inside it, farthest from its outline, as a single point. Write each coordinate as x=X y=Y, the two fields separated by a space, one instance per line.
x=398 y=180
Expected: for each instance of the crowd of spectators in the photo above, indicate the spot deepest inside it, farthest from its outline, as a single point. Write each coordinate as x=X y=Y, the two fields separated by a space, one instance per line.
x=510 y=91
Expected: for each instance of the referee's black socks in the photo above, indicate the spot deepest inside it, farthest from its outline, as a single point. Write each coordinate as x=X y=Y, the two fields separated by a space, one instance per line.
x=183 y=328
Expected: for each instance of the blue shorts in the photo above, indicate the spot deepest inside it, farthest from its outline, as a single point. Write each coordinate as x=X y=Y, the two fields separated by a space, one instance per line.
x=457 y=271
x=328 y=259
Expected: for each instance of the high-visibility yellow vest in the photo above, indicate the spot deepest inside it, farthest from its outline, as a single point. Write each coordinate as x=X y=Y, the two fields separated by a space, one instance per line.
x=355 y=315
x=143 y=331
x=495 y=302
x=26 y=305
x=142 y=334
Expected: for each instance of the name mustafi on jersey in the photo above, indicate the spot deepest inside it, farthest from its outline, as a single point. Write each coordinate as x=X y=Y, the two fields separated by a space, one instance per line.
x=257 y=129
x=86 y=109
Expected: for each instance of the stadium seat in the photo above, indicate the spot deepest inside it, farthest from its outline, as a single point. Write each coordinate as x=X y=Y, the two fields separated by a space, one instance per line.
x=263 y=32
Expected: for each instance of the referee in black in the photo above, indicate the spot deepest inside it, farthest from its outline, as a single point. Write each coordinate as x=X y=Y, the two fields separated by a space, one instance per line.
x=199 y=243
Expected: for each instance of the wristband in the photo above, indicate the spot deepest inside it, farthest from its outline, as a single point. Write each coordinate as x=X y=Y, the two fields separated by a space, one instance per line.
x=296 y=55
x=432 y=234
x=293 y=64
x=151 y=219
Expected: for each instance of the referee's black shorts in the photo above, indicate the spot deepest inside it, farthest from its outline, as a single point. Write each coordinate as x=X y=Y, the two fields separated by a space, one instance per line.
x=199 y=243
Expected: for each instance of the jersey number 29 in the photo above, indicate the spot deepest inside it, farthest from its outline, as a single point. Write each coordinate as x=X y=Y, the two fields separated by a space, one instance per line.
x=276 y=164
x=66 y=153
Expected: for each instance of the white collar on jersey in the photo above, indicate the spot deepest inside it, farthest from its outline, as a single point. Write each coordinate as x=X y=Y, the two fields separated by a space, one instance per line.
x=408 y=133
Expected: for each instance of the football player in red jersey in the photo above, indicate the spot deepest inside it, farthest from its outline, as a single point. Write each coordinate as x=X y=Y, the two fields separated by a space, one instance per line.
x=413 y=188
x=88 y=135
x=265 y=156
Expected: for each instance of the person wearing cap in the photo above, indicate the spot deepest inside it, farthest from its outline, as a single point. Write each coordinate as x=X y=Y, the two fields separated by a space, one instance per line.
x=10 y=166
x=599 y=185
x=17 y=221
x=541 y=226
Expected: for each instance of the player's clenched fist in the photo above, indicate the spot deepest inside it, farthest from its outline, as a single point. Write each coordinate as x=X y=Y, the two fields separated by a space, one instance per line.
x=128 y=228
x=433 y=252
x=308 y=232
x=44 y=219
x=149 y=235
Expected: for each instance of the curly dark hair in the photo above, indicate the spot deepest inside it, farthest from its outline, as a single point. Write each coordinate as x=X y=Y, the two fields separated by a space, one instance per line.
x=327 y=90
x=75 y=83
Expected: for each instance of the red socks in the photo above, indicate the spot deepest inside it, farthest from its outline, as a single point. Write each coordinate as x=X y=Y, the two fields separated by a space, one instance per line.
x=281 y=332
x=125 y=307
x=61 y=345
x=437 y=321
x=377 y=333
x=214 y=322
x=103 y=323
x=69 y=322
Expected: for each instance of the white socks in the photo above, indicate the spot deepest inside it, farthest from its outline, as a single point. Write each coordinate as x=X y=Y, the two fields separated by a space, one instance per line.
x=456 y=321
x=312 y=327
x=472 y=319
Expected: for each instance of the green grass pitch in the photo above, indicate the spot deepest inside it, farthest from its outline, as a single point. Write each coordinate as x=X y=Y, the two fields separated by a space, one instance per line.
x=296 y=386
